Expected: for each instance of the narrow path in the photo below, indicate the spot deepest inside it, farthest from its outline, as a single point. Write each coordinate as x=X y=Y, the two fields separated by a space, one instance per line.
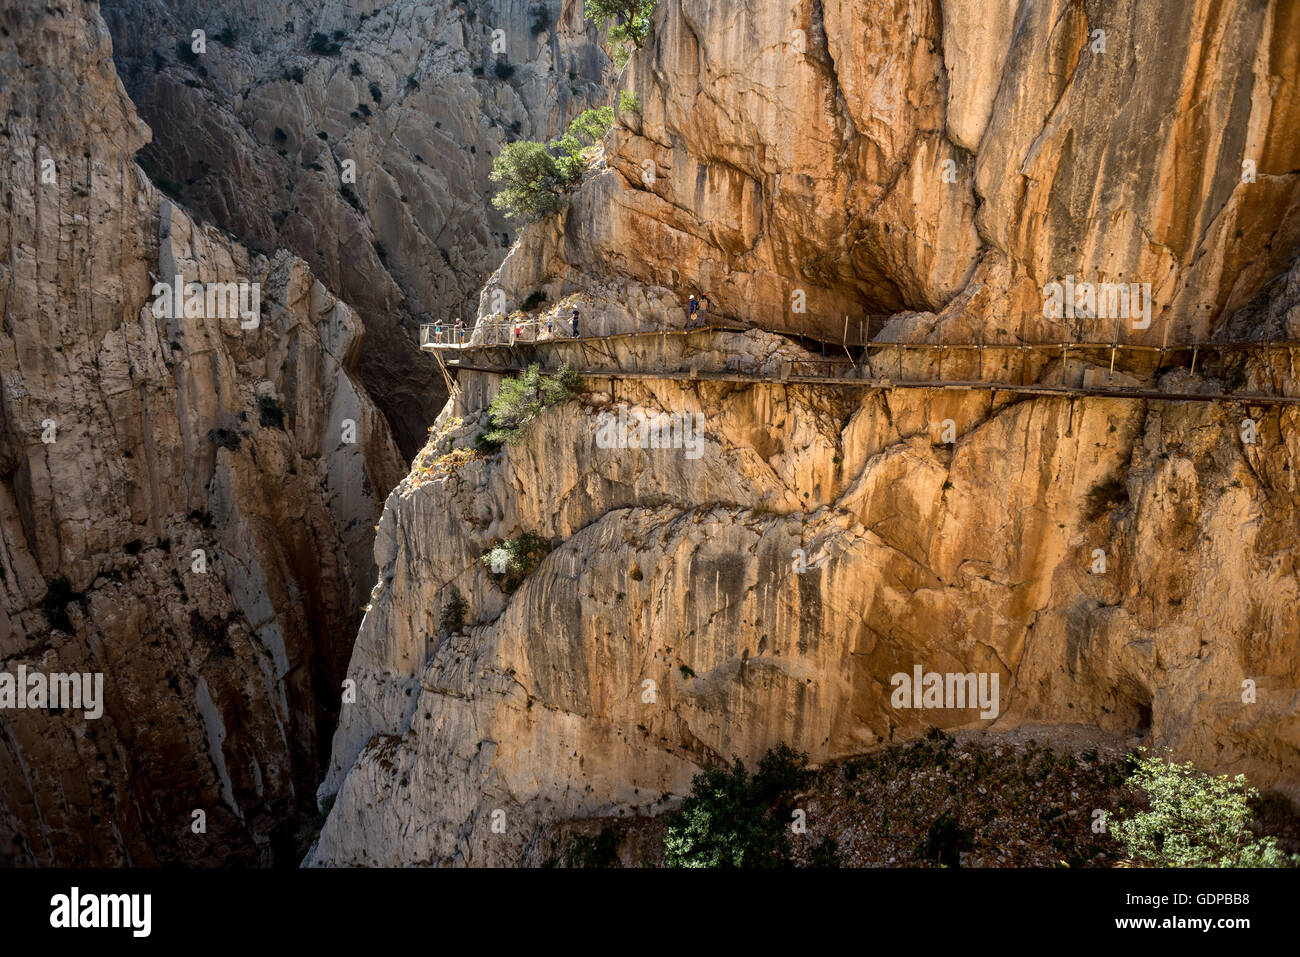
x=862 y=364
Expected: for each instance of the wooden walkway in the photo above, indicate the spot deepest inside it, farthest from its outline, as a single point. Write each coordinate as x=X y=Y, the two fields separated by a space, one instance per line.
x=1013 y=367
x=1115 y=392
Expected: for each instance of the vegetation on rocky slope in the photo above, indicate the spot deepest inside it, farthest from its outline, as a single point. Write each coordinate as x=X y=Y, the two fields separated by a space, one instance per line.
x=732 y=819
x=522 y=398
x=942 y=802
x=510 y=561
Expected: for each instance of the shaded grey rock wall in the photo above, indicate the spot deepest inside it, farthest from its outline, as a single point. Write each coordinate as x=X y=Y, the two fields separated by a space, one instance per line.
x=254 y=132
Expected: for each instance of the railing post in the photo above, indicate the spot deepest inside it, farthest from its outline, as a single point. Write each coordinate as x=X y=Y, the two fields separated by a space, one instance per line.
x=1163 y=345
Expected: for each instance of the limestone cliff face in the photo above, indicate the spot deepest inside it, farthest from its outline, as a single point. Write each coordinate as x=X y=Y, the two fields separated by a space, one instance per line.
x=182 y=505
x=695 y=608
x=255 y=133
x=779 y=149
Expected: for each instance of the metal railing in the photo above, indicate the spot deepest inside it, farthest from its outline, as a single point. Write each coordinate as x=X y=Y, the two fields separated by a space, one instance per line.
x=440 y=334
x=493 y=333
x=1049 y=369
x=1077 y=367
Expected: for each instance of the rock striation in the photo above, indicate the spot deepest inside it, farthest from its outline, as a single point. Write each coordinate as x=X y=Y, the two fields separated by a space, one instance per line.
x=257 y=132
x=186 y=503
x=941 y=162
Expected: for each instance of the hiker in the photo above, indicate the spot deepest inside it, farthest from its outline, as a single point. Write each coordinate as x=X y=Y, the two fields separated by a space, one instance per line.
x=550 y=325
x=574 y=320
x=518 y=332
x=460 y=331
x=437 y=331
x=704 y=308
x=692 y=308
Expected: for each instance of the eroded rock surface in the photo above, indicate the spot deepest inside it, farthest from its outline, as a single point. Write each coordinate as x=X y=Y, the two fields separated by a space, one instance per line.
x=825 y=540
x=256 y=131
x=180 y=506
x=778 y=150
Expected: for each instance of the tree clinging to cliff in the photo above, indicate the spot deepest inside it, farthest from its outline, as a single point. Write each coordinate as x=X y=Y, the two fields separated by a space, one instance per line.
x=631 y=18
x=535 y=177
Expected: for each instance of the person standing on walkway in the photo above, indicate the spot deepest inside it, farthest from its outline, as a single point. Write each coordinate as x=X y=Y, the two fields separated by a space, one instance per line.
x=437 y=331
x=574 y=319
x=704 y=309
x=460 y=331
x=692 y=309
x=550 y=325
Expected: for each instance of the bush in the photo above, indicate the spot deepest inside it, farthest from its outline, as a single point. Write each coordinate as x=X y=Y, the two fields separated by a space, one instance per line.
x=598 y=851
x=376 y=93
x=522 y=398
x=58 y=596
x=1109 y=494
x=1194 y=819
x=185 y=51
x=781 y=772
x=531 y=180
x=587 y=128
x=323 y=45
x=269 y=412
x=225 y=438
x=453 y=615
x=540 y=18
x=825 y=854
x=944 y=841
x=628 y=102
x=504 y=69
x=510 y=562
x=731 y=820
x=484 y=443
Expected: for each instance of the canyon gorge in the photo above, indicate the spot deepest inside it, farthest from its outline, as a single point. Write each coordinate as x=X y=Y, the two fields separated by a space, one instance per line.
x=256 y=534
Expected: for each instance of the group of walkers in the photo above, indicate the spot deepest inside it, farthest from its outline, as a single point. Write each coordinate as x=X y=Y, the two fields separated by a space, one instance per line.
x=696 y=310
x=457 y=331
x=696 y=313
x=517 y=329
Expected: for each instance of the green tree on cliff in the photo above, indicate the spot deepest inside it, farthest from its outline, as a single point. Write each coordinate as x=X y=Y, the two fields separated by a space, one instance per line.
x=631 y=18
x=532 y=184
x=535 y=177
